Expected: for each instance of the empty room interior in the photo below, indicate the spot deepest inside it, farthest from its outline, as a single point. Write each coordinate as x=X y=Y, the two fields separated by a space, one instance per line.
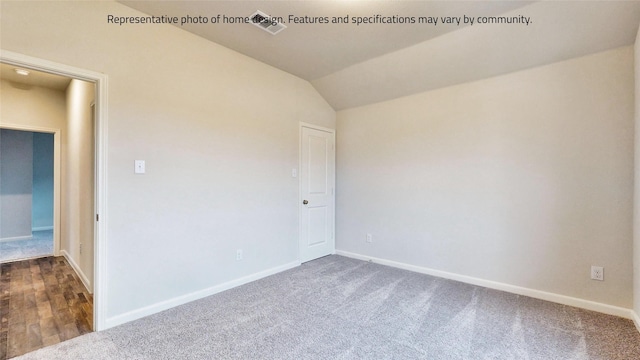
x=326 y=179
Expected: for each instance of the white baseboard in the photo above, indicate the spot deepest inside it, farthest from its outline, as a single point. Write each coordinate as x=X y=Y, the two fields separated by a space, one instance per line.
x=196 y=295
x=76 y=268
x=636 y=320
x=16 y=238
x=42 y=228
x=538 y=294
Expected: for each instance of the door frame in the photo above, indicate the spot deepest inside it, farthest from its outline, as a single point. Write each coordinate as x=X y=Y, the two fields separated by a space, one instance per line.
x=56 y=174
x=333 y=230
x=100 y=186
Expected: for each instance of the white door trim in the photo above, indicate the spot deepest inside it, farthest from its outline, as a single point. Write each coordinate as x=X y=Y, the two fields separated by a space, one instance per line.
x=333 y=230
x=100 y=232
x=56 y=174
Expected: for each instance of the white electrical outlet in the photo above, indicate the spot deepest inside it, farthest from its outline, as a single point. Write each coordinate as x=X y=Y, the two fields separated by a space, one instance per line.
x=369 y=238
x=597 y=273
x=139 y=167
x=238 y=254
x=80 y=248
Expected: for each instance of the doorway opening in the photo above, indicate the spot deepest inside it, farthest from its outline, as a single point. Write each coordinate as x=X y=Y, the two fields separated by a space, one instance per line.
x=26 y=194
x=92 y=246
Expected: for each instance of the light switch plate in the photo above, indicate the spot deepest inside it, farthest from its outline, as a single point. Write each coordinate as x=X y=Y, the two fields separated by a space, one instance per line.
x=139 y=167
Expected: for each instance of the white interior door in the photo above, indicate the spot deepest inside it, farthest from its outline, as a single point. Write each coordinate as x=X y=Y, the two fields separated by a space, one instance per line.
x=317 y=189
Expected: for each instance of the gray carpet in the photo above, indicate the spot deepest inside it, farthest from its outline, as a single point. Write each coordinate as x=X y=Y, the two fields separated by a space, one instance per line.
x=40 y=244
x=340 y=308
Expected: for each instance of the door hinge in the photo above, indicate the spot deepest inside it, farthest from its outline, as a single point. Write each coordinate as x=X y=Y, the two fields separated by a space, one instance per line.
x=97 y=217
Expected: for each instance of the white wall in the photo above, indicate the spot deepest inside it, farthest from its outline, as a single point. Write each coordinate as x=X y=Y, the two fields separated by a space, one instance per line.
x=77 y=235
x=524 y=179
x=636 y=201
x=218 y=131
x=42 y=210
x=16 y=176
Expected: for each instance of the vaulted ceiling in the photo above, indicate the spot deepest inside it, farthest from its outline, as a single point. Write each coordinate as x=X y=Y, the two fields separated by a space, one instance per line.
x=352 y=65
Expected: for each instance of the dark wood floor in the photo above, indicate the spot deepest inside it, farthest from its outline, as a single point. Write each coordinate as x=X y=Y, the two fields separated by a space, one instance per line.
x=42 y=302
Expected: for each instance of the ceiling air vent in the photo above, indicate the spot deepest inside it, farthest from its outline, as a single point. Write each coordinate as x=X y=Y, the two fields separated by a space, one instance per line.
x=266 y=22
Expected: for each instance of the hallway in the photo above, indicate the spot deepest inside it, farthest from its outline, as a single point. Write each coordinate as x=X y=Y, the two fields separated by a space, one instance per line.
x=42 y=302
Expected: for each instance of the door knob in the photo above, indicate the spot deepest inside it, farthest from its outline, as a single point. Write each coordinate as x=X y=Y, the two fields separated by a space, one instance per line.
x=305 y=202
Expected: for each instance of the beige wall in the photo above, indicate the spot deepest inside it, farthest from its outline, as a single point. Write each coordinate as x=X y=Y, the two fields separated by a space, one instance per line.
x=524 y=179
x=32 y=106
x=218 y=131
x=77 y=236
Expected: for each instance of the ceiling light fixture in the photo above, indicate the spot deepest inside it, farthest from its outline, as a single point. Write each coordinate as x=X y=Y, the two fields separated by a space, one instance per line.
x=22 y=72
